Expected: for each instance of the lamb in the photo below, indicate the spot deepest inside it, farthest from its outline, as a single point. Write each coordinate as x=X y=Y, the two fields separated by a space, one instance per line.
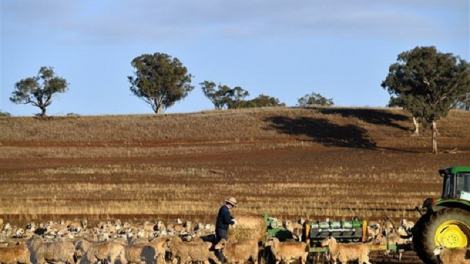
x=57 y=251
x=15 y=254
x=347 y=252
x=240 y=251
x=191 y=251
x=93 y=252
x=453 y=255
x=286 y=251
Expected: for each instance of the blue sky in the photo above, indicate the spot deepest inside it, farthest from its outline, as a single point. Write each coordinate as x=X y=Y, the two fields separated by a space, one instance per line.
x=285 y=49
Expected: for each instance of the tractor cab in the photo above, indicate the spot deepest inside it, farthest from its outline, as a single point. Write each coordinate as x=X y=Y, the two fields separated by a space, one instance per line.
x=456 y=183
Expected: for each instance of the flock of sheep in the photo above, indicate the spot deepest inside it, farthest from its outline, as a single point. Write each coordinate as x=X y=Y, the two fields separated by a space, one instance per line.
x=177 y=242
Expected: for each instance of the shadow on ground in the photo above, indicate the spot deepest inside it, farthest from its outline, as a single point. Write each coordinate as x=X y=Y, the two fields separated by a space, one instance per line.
x=322 y=131
x=372 y=116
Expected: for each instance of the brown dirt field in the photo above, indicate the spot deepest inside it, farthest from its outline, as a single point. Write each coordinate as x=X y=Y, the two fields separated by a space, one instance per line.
x=290 y=163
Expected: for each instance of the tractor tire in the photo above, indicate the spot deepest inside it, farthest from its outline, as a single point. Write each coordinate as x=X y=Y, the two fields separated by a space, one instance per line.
x=449 y=227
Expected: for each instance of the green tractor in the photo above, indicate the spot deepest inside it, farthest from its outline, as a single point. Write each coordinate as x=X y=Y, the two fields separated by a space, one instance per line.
x=446 y=220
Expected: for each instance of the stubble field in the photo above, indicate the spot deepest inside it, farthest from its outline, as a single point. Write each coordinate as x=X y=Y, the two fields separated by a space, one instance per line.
x=287 y=162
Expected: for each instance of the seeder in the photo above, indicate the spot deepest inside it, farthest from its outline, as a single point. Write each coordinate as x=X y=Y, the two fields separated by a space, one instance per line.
x=314 y=232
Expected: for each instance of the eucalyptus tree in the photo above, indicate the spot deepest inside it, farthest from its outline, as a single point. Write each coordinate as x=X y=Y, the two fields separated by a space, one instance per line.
x=160 y=80
x=39 y=90
x=314 y=99
x=427 y=84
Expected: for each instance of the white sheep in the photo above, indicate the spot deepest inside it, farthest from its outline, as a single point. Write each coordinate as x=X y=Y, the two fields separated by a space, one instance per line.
x=347 y=251
x=92 y=252
x=239 y=251
x=15 y=254
x=56 y=251
x=286 y=251
x=453 y=255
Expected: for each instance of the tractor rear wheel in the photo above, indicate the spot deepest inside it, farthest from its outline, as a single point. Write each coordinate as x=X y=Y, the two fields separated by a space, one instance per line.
x=449 y=227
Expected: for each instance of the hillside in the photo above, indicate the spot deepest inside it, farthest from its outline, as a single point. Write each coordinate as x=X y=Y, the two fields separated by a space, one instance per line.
x=379 y=128
x=288 y=162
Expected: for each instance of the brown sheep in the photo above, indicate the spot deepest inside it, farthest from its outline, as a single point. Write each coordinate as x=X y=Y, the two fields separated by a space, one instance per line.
x=347 y=252
x=453 y=255
x=138 y=253
x=286 y=251
x=239 y=251
x=160 y=246
x=15 y=254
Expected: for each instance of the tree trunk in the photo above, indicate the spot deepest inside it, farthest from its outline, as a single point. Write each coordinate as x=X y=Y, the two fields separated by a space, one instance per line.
x=159 y=109
x=43 y=112
x=416 y=126
x=434 y=137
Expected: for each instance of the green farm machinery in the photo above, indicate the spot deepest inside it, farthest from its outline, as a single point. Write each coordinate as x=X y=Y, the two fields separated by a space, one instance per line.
x=314 y=232
x=445 y=221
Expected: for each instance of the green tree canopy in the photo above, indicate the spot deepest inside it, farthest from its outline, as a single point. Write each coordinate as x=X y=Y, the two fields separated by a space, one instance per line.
x=220 y=97
x=224 y=96
x=464 y=104
x=261 y=101
x=160 y=80
x=39 y=90
x=314 y=99
x=4 y=114
x=427 y=84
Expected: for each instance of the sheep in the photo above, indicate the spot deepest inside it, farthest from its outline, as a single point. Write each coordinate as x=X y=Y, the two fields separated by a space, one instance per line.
x=93 y=252
x=15 y=254
x=141 y=252
x=159 y=226
x=407 y=225
x=56 y=251
x=160 y=246
x=240 y=251
x=346 y=252
x=191 y=251
x=76 y=226
x=391 y=239
x=373 y=230
x=452 y=255
x=286 y=251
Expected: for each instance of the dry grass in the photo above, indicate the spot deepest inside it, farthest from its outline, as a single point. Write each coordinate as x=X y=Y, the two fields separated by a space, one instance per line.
x=288 y=162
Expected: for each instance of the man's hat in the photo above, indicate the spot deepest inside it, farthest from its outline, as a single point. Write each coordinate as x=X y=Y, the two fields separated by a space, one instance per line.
x=232 y=201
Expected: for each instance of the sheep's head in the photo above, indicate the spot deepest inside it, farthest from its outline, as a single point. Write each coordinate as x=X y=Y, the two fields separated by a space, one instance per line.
x=221 y=244
x=270 y=241
x=437 y=251
x=327 y=241
x=82 y=245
